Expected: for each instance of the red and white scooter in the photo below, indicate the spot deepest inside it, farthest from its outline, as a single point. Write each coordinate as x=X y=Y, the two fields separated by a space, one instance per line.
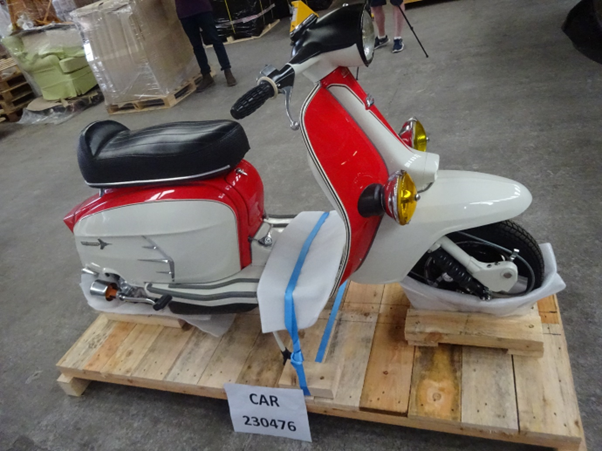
x=179 y=222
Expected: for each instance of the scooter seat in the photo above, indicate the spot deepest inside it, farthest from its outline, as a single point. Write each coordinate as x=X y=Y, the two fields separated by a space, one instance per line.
x=319 y=277
x=111 y=155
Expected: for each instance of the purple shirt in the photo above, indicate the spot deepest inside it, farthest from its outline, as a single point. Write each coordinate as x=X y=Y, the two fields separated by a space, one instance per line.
x=187 y=8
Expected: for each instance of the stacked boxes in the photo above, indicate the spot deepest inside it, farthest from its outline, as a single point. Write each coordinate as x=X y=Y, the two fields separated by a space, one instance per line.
x=137 y=48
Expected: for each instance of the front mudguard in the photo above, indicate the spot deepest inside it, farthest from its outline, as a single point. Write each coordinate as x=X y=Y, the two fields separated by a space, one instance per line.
x=458 y=200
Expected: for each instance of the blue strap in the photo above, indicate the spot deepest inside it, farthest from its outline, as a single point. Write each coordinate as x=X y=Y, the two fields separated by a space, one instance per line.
x=290 y=319
x=328 y=330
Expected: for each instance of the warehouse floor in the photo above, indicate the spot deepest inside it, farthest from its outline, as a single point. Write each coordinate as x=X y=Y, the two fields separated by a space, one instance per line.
x=503 y=92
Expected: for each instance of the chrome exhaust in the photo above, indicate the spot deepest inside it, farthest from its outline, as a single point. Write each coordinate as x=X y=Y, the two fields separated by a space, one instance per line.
x=104 y=289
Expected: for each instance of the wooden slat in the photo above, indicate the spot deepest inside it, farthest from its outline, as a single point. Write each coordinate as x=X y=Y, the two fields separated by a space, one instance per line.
x=87 y=344
x=393 y=294
x=109 y=346
x=389 y=375
x=350 y=346
x=131 y=351
x=157 y=320
x=436 y=391
x=488 y=397
x=364 y=294
x=163 y=353
x=229 y=358
x=264 y=364
x=322 y=378
x=194 y=358
x=515 y=333
x=547 y=404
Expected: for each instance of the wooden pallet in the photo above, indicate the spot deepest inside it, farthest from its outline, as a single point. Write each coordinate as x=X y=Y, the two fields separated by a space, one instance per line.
x=156 y=103
x=519 y=335
x=464 y=390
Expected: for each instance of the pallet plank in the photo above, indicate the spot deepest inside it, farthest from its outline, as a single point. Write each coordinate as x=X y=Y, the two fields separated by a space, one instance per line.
x=547 y=403
x=264 y=365
x=163 y=353
x=350 y=347
x=158 y=320
x=87 y=344
x=194 y=358
x=109 y=347
x=229 y=358
x=436 y=391
x=515 y=333
x=131 y=351
x=488 y=397
x=389 y=375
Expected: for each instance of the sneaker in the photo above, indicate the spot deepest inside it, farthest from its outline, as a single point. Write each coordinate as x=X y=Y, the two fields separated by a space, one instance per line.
x=230 y=80
x=378 y=42
x=205 y=82
x=397 y=45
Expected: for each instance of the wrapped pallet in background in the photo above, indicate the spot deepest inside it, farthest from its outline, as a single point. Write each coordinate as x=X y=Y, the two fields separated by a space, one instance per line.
x=240 y=19
x=137 y=48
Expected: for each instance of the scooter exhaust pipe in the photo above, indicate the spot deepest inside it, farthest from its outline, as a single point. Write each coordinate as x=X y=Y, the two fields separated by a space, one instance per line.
x=104 y=289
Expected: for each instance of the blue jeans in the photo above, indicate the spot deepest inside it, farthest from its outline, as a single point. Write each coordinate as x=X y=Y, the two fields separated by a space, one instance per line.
x=192 y=26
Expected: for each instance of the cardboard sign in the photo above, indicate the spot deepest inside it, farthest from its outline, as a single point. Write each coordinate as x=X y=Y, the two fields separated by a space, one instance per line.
x=268 y=411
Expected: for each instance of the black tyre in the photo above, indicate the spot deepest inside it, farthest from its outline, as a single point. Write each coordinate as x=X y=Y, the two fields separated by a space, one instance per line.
x=490 y=243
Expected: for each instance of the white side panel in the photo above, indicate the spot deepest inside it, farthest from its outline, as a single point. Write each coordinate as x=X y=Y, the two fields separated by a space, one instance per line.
x=196 y=241
x=458 y=200
x=422 y=166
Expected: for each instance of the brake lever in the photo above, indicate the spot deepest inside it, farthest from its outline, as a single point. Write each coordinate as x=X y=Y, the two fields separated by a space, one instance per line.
x=288 y=91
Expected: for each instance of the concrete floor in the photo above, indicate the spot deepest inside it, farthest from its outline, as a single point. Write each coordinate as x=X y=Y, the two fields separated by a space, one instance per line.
x=503 y=92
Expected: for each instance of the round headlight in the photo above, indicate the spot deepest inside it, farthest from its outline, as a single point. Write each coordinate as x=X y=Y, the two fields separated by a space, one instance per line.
x=368 y=37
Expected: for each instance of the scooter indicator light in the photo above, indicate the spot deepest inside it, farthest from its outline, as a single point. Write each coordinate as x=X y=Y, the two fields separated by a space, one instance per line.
x=400 y=196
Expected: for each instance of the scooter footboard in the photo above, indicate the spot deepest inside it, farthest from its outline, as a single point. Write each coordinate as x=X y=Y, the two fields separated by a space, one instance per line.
x=458 y=200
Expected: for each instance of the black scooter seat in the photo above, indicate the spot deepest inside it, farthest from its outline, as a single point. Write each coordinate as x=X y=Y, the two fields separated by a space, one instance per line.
x=111 y=155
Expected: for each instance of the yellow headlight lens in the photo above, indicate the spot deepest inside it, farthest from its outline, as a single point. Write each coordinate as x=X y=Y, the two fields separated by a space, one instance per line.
x=420 y=139
x=406 y=198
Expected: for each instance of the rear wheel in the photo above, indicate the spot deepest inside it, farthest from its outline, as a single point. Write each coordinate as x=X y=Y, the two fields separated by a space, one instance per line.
x=488 y=244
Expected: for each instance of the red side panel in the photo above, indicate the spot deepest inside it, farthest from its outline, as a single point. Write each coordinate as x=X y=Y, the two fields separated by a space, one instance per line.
x=242 y=193
x=347 y=161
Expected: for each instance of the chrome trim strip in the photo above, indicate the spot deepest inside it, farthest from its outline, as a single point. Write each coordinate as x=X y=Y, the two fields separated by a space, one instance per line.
x=166 y=259
x=144 y=182
x=199 y=286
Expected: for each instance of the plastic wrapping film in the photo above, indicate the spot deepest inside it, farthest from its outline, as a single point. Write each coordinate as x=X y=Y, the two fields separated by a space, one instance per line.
x=137 y=49
x=64 y=8
x=242 y=18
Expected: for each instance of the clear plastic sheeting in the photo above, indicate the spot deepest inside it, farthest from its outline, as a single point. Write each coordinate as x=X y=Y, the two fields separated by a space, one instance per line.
x=41 y=112
x=424 y=297
x=63 y=8
x=137 y=48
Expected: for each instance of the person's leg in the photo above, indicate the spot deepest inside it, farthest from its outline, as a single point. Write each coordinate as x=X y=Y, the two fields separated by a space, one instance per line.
x=207 y=23
x=192 y=30
x=398 y=18
x=379 y=19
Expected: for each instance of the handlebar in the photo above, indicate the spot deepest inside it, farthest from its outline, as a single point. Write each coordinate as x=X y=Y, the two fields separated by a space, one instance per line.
x=252 y=100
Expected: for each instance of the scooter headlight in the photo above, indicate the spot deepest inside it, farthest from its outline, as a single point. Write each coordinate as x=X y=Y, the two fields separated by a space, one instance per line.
x=414 y=134
x=368 y=37
x=400 y=197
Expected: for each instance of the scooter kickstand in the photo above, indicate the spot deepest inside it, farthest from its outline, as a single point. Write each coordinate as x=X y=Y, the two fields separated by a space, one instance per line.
x=286 y=354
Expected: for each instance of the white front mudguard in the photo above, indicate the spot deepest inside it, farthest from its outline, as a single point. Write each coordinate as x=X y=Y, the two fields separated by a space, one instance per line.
x=458 y=200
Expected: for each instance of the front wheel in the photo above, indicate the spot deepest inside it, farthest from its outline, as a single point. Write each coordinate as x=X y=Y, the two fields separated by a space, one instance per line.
x=489 y=244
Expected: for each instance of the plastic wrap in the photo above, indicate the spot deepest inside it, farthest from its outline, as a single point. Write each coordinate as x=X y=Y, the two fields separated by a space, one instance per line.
x=242 y=18
x=137 y=48
x=64 y=8
x=41 y=112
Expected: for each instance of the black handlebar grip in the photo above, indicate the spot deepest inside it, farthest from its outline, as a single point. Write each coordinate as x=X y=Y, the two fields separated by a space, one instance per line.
x=252 y=100
x=162 y=302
